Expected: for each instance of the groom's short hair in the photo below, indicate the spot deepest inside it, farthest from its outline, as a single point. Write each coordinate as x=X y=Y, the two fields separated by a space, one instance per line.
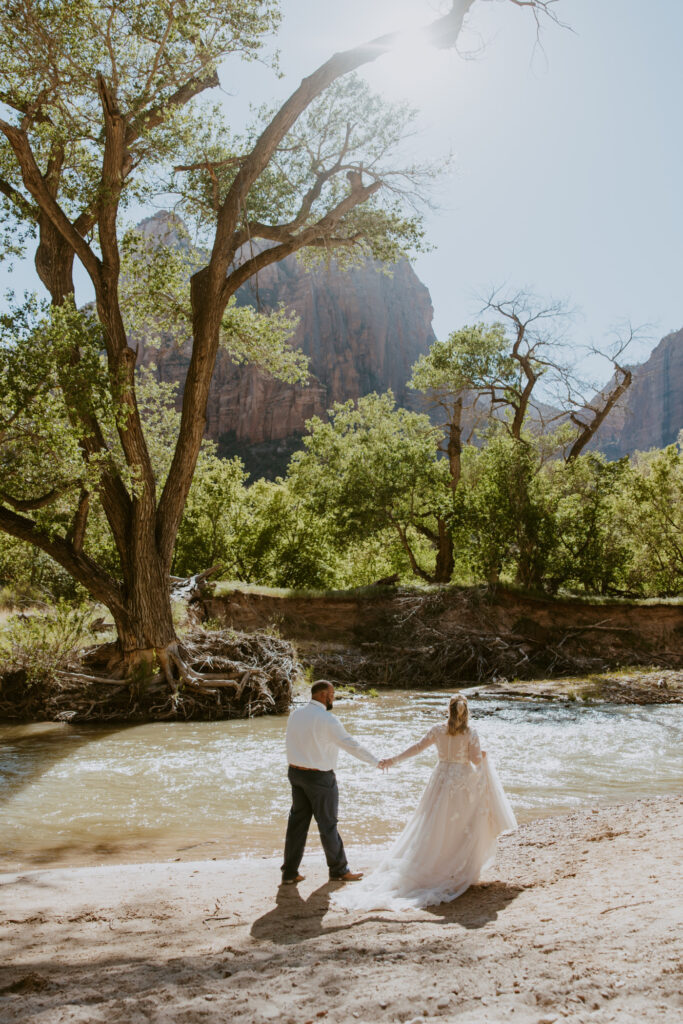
x=320 y=684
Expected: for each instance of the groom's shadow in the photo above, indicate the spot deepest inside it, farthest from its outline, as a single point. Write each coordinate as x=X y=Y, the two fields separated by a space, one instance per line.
x=294 y=919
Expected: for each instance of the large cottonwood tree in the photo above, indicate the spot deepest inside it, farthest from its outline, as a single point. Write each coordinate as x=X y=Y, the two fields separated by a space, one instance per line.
x=98 y=103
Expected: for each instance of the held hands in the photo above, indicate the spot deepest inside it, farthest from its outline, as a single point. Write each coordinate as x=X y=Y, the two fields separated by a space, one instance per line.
x=385 y=763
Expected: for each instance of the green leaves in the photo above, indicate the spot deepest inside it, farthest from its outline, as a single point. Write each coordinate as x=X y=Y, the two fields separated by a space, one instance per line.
x=475 y=358
x=650 y=512
x=155 y=296
x=347 y=138
x=53 y=380
x=155 y=283
x=262 y=534
x=154 y=58
x=39 y=444
x=371 y=469
x=262 y=340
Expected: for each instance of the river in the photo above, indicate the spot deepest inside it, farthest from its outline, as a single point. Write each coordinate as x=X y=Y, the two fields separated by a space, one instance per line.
x=197 y=790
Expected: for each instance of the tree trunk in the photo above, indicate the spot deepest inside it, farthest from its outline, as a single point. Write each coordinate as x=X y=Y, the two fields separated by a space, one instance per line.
x=445 y=562
x=54 y=261
x=529 y=566
x=141 y=608
x=145 y=629
x=610 y=399
x=455 y=444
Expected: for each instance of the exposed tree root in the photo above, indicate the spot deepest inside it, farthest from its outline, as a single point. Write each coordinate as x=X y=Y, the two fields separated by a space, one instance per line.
x=211 y=675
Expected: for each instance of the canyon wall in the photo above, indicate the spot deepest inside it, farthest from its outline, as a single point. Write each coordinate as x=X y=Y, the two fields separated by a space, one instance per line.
x=650 y=414
x=362 y=329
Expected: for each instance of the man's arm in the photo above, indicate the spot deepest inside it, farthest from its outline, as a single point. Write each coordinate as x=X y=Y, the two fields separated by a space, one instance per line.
x=341 y=737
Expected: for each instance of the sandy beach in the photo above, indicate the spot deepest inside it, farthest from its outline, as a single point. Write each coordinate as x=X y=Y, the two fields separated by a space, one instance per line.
x=578 y=920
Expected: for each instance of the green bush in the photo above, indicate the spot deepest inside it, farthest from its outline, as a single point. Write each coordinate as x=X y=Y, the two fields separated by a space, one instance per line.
x=41 y=645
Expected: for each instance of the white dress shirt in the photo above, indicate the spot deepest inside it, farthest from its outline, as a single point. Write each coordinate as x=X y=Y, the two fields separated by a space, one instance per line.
x=314 y=737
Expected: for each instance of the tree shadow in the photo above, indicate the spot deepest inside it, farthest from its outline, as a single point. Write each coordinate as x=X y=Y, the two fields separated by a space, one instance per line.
x=27 y=752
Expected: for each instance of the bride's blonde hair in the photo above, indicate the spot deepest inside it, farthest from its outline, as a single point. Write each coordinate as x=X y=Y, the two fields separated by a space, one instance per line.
x=458 y=714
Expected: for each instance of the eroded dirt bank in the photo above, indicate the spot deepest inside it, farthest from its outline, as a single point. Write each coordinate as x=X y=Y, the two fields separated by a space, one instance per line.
x=410 y=638
x=578 y=920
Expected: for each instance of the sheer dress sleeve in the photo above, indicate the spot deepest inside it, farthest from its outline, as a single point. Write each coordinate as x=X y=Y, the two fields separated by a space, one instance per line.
x=416 y=748
x=474 y=749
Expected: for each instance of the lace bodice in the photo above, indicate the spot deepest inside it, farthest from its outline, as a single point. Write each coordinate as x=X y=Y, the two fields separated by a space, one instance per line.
x=459 y=749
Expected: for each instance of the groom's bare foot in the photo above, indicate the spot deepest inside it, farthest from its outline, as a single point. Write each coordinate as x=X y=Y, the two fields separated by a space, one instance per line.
x=293 y=881
x=348 y=876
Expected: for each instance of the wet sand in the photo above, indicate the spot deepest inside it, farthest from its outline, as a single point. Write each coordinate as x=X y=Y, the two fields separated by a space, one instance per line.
x=578 y=920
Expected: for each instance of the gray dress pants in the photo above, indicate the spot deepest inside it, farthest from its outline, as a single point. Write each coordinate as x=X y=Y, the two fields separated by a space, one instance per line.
x=314 y=795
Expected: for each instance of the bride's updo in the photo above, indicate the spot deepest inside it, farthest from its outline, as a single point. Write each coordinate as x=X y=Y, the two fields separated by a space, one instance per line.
x=458 y=714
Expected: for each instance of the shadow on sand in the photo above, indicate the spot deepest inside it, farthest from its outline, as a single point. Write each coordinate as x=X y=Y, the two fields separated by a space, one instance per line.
x=294 y=919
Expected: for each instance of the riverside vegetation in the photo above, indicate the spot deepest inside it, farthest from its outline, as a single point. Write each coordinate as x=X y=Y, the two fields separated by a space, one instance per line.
x=364 y=501
x=502 y=491
x=494 y=496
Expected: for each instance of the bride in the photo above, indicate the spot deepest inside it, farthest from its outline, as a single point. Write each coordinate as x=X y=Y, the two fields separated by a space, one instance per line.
x=452 y=834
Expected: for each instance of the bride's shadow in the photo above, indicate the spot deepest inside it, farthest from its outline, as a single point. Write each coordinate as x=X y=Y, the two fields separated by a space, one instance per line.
x=478 y=906
x=295 y=919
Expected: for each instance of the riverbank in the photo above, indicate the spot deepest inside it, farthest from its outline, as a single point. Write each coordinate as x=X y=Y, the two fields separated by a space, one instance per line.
x=417 y=639
x=626 y=686
x=500 y=640
x=576 y=921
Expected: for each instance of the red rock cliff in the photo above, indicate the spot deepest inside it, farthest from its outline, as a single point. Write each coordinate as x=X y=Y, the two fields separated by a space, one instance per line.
x=362 y=330
x=650 y=414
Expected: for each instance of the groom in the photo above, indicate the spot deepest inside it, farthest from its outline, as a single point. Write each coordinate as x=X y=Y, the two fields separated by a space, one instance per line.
x=313 y=739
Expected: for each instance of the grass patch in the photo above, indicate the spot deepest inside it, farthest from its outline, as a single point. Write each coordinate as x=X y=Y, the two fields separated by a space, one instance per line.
x=370 y=592
x=628 y=602
x=41 y=645
x=224 y=588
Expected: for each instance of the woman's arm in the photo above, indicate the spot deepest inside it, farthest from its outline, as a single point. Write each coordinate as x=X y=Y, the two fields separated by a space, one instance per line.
x=422 y=744
x=474 y=751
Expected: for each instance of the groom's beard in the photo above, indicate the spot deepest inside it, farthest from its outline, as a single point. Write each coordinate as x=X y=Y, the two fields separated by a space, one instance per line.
x=329 y=704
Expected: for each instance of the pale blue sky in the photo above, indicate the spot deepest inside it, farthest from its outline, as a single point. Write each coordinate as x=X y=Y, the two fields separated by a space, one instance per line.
x=566 y=177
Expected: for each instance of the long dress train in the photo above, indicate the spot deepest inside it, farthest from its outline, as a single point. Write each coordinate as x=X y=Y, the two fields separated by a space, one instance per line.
x=451 y=836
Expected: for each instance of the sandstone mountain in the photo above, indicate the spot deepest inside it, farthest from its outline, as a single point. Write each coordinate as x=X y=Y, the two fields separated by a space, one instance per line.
x=362 y=329
x=650 y=414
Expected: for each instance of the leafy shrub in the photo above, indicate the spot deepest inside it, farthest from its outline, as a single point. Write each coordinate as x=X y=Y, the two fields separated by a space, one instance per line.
x=41 y=645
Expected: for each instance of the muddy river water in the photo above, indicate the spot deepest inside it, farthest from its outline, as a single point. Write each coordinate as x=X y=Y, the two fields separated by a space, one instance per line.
x=196 y=790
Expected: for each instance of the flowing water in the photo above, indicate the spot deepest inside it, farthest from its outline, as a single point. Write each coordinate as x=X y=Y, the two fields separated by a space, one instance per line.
x=196 y=790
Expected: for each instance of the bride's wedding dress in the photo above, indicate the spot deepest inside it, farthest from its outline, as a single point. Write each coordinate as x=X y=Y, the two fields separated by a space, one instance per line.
x=450 y=837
